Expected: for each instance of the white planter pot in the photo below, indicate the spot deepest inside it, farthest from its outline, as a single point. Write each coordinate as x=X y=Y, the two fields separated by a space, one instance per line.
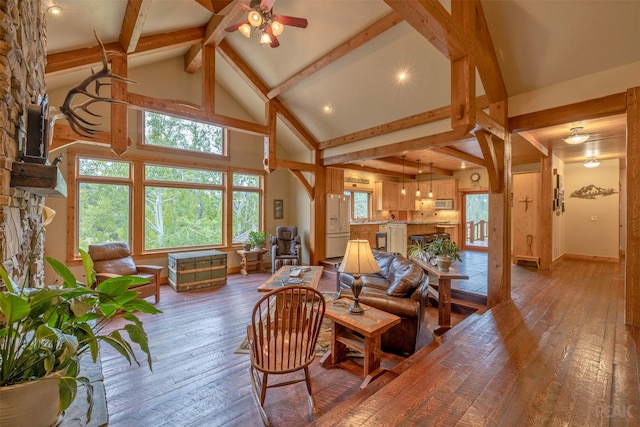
x=33 y=404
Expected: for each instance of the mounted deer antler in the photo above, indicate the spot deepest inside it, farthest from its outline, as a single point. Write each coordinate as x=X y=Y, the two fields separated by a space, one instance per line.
x=79 y=124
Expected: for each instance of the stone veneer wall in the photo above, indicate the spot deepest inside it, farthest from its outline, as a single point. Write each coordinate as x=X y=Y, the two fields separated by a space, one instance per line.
x=22 y=62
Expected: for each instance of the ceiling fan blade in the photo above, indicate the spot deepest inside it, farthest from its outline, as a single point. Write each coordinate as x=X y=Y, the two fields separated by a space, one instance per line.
x=234 y=27
x=274 y=39
x=267 y=4
x=292 y=21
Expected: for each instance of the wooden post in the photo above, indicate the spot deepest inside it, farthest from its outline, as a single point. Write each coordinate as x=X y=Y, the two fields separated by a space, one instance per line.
x=632 y=279
x=119 y=139
x=545 y=219
x=499 y=256
x=317 y=233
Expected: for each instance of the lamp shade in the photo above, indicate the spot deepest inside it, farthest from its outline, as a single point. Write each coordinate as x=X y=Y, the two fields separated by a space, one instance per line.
x=358 y=258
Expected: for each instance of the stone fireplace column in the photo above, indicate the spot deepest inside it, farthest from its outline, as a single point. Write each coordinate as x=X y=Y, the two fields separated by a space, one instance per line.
x=22 y=63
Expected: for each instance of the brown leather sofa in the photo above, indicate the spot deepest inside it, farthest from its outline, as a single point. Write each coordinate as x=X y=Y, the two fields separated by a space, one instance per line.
x=399 y=288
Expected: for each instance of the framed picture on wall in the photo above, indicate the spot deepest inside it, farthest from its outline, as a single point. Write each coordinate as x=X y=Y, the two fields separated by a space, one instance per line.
x=278 y=209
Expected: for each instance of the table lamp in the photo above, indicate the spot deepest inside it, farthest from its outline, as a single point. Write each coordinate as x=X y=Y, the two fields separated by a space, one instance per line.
x=358 y=259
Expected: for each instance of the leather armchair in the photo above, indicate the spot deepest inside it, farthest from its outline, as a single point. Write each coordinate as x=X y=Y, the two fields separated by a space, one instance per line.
x=114 y=259
x=285 y=247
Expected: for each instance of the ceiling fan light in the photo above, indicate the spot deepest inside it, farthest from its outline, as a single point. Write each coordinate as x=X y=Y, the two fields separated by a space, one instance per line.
x=277 y=28
x=255 y=18
x=264 y=38
x=591 y=162
x=575 y=137
x=245 y=30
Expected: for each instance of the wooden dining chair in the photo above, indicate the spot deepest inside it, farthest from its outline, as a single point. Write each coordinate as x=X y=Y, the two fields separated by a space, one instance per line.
x=282 y=336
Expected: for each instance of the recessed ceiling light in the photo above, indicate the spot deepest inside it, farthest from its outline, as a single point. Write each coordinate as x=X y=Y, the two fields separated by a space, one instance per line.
x=402 y=76
x=55 y=10
x=463 y=165
x=327 y=109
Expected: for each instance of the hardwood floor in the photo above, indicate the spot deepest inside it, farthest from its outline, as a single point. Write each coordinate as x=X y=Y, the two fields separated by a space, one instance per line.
x=559 y=354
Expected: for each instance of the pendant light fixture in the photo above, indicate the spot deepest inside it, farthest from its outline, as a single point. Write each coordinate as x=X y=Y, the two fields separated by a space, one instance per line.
x=431 y=180
x=418 y=177
x=403 y=190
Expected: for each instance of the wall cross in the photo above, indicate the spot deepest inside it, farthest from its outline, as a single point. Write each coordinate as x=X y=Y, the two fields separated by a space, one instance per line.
x=526 y=200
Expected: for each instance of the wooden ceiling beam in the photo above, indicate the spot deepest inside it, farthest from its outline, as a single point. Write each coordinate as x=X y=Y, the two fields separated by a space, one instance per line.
x=431 y=19
x=369 y=33
x=371 y=170
x=484 y=52
x=422 y=143
x=142 y=102
x=214 y=33
x=437 y=114
x=534 y=142
x=491 y=159
x=132 y=24
x=84 y=58
x=594 y=108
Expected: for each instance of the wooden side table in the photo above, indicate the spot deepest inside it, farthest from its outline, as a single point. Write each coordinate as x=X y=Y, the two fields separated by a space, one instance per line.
x=443 y=294
x=371 y=325
x=245 y=263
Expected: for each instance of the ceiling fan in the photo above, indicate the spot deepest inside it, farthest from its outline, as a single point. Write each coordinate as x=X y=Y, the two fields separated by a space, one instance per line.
x=268 y=24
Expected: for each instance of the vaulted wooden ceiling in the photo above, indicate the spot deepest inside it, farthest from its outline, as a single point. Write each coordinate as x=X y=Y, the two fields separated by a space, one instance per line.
x=348 y=58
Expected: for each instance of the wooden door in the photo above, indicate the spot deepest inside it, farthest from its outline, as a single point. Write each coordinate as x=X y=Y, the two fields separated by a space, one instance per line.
x=525 y=215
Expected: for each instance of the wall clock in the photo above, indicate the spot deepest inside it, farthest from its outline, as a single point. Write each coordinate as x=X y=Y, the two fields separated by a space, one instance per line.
x=475 y=177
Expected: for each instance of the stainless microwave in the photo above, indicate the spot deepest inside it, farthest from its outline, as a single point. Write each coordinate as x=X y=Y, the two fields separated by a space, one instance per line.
x=444 y=204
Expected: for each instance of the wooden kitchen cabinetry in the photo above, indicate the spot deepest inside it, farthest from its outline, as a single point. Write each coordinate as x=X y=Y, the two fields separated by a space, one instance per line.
x=387 y=195
x=452 y=229
x=445 y=188
x=335 y=180
x=364 y=232
x=407 y=202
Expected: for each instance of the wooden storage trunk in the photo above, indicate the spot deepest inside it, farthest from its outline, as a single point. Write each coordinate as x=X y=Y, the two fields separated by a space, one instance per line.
x=197 y=269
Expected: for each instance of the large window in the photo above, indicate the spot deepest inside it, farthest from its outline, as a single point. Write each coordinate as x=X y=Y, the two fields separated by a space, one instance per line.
x=103 y=201
x=247 y=201
x=160 y=202
x=173 y=132
x=360 y=204
x=183 y=207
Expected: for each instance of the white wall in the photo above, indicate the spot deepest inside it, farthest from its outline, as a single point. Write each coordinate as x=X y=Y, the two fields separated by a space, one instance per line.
x=592 y=226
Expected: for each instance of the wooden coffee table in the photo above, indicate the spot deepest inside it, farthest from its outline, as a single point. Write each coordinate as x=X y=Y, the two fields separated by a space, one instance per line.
x=310 y=278
x=371 y=325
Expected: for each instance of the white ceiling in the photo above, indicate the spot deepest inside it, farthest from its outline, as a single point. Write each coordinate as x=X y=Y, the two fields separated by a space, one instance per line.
x=539 y=43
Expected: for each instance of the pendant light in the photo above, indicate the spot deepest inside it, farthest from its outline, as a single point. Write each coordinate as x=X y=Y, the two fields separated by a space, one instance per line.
x=431 y=180
x=403 y=190
x=418 y=177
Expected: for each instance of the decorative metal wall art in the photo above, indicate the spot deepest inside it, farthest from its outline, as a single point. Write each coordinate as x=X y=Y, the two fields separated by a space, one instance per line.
x=592 y=191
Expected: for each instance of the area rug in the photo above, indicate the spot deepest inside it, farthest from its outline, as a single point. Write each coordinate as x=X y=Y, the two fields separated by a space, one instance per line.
x=324 y=339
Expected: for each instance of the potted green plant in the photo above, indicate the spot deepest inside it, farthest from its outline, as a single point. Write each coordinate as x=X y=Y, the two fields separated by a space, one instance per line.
x=445 y=251
x=418 y=250
x=257 y=239
x=44 y=332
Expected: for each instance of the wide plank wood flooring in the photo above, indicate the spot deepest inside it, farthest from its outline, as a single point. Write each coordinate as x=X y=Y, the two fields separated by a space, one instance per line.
x=559 y=354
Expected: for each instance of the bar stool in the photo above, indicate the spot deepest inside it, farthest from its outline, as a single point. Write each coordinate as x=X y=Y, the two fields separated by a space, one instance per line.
x=381 y=242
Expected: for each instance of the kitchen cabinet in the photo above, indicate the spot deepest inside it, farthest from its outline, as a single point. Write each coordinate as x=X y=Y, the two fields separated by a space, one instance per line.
x=445 y=188
x=387 y=195
x=407 y=202
x=413 y=229
x=335 y=180
x=364 y=232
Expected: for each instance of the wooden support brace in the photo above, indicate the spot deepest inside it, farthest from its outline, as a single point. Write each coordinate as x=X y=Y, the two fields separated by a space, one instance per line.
x=491 y=161
x=304 y=182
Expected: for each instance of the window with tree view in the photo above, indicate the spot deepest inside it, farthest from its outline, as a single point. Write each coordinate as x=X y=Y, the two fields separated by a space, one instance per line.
x=183 y=207
x=173 y=132
x=247 y=202
x=104 y=194
x=360 y=204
